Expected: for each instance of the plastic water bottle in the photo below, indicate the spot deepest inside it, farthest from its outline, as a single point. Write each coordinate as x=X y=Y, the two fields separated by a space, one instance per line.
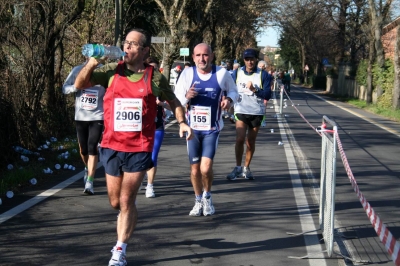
x=98 y=50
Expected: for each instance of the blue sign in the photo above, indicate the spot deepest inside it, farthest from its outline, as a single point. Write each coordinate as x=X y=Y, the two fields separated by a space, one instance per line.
x=325 y=61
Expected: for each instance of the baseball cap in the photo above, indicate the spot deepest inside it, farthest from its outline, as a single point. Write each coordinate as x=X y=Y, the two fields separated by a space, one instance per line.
x=178 y=67
x=249 y=53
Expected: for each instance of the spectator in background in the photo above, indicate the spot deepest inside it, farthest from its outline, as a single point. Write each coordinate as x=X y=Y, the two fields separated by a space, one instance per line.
x=286 y=81
x=229 y=67
x=178 y=71
x=262 y=65
x=235 y=66
x=187 y=64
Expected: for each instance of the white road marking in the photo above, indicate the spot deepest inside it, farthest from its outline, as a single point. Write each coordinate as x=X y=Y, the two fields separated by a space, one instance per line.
x=373 y=122
x=313 y=246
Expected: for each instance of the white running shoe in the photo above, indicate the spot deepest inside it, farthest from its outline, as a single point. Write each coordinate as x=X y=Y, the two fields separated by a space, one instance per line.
x=236 y=172
x=247 y=173
x=197 y=209
x=118 y=257
x=150 y=192
x=208 y=207
x=89 y=188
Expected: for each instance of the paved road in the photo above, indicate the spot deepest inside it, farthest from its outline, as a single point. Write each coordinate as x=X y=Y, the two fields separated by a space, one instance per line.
x=252 y=217
x=371 y=146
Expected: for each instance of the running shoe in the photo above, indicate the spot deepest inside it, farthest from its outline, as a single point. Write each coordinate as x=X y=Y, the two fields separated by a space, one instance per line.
x=208 y=207
x=197 y=209
x=85 y=176
x=234 y=174
x=247 y=173
x=89 y=188
x=118 y=257
x=150 y=192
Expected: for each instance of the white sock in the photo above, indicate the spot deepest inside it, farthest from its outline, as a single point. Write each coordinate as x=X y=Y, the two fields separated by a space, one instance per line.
x=121 y=245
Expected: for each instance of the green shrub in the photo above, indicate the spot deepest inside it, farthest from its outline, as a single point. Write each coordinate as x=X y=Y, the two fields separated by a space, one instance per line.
x=385 y=78
x=361 y=74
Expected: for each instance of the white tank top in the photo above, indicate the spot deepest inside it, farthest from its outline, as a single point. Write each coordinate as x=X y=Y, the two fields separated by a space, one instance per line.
x=248 y=102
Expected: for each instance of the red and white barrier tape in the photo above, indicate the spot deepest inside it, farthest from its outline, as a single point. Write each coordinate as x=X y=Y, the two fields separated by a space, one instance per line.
x=391 y=244
x=302 y=116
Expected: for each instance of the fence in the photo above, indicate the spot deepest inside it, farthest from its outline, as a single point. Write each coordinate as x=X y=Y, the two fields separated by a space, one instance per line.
x=329 y=145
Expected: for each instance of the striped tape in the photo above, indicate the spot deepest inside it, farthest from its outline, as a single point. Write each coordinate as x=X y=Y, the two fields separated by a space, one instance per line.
x=392 y=246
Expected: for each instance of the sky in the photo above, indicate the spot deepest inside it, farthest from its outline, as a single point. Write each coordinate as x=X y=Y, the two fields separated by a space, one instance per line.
x=268 y=37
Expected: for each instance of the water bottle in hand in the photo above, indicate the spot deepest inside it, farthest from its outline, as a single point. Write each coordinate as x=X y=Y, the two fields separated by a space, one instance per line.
x=98 y=51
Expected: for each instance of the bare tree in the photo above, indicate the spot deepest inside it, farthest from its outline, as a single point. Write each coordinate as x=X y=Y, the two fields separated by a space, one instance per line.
x=32 y=36
x=305 y=22
x=173 y=13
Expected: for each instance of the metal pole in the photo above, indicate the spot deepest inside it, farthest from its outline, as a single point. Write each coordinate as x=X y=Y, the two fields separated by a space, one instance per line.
x=281 y=101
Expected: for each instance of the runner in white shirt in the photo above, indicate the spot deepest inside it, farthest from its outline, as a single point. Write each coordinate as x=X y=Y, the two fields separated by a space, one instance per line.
x=201 y=88
x=254 y=87
x=89 y=124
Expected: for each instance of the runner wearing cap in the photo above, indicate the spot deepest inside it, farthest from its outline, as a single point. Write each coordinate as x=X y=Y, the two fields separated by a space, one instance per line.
x=254 y=86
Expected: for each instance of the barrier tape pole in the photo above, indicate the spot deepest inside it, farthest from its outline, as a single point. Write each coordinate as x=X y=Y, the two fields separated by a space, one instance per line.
x=391 y=244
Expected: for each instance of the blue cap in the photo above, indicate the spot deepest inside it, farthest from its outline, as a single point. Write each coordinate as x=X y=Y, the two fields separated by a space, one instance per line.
x=249 y=53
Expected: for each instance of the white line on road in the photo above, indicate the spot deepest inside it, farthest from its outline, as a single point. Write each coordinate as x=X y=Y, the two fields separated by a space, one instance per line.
x=314 y=249
x=358 y=115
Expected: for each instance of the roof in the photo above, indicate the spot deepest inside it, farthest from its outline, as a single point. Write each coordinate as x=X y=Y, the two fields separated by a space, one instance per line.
x=391 y=26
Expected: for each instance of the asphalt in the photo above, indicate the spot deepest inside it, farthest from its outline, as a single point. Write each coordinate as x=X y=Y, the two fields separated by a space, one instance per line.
x=252 y=218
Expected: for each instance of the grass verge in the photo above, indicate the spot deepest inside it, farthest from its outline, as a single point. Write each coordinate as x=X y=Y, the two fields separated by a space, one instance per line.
x=373 y=108
x=389 y=113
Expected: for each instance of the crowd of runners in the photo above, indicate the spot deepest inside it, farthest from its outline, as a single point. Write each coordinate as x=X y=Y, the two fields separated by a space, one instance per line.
x=124 y=104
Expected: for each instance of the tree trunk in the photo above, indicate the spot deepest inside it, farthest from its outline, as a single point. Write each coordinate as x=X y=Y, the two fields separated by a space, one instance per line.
x=118 y=22
x=371 y=59
x=396 y=88
x=92 y=17
x=342 y=28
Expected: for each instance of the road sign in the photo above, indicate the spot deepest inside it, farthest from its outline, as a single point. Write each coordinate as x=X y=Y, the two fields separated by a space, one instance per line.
x=184 y=52
x=157 y=39
x=325 y=61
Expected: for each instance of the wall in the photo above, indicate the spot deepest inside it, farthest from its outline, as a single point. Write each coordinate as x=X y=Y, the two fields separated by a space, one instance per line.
x=389 y=35
x=349 y=88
